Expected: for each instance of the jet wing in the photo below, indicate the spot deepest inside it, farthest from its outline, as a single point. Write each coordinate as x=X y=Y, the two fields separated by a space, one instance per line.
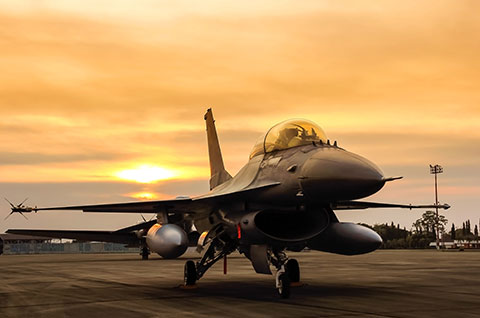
x=125 y=235
x=199 y=205
x=127 y=207
x=354 y=205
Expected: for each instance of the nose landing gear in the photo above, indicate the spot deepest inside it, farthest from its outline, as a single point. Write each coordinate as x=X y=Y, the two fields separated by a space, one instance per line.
x=288 y=273
x=220 y=246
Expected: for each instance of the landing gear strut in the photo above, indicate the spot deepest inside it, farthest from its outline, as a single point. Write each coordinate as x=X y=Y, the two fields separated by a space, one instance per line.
x=220 y=246
x=282 y=282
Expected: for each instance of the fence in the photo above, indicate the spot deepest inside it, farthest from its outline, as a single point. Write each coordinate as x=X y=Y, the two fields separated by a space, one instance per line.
x=67 y=248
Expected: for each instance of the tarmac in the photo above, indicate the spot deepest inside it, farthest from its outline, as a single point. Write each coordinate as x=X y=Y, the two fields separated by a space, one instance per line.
x=386 y=283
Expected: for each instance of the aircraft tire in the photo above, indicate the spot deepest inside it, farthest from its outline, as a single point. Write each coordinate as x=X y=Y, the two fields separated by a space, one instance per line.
x=293 y=270
x=145 y=253
x=284 y=288
x=190 y=273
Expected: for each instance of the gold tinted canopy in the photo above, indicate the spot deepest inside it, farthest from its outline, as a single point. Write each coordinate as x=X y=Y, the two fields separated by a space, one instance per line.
x=288 y=134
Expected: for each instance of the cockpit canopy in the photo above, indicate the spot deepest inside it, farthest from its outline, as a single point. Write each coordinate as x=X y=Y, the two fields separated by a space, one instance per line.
x=288 y=134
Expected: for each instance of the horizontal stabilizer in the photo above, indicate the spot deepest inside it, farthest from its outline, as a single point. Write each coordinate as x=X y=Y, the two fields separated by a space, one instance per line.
x=136 y=227
x=125 y=235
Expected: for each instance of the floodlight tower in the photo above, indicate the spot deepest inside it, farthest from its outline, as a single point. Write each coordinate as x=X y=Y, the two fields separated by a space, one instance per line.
x=436 y=169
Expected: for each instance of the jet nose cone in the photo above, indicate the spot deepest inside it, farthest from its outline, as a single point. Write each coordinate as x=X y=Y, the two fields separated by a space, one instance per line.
x=336 y=174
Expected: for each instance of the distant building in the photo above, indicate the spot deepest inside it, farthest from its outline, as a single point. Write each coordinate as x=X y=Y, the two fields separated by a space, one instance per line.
x=460 y=244
x=25 y=244
x=19 y=239
x=20 y=242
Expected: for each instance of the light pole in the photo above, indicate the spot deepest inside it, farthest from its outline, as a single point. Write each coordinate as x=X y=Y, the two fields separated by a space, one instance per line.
x=436 y=169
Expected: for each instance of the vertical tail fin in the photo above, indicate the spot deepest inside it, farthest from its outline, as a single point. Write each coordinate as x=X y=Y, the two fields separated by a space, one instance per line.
x=217 y=170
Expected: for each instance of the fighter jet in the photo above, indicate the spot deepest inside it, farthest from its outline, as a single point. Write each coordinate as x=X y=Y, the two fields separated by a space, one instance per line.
x=282 y=200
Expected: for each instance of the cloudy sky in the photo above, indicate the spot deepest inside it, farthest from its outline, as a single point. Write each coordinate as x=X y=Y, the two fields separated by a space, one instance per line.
x=91 y=90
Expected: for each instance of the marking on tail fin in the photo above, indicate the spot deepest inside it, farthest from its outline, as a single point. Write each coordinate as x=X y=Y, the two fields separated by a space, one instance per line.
x=217 y=170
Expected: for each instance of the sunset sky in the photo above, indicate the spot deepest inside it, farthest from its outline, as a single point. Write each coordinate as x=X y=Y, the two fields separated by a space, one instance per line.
x=95 y=94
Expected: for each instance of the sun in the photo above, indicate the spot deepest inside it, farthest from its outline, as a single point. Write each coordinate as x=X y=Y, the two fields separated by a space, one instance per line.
x=146 y=174
x=143 y=196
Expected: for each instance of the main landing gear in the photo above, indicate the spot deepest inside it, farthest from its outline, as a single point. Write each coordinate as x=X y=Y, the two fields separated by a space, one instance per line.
x=144 y=252
x=220 y=246
x=190 y=274
x=287 y=275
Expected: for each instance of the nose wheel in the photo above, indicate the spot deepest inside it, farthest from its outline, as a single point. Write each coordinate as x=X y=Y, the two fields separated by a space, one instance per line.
x=288 y=272
x=293 y=271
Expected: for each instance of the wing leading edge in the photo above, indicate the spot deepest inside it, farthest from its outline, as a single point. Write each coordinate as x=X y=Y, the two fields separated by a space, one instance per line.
x=128 y=207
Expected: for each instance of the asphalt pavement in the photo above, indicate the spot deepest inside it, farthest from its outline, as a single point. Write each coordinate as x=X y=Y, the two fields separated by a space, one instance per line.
x=386 y=283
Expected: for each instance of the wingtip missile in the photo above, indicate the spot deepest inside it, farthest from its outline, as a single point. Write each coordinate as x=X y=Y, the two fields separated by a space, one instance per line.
x=20 y=208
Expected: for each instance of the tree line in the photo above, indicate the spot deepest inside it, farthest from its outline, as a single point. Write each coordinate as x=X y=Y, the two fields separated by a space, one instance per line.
x=465 y=233
x=423 y=232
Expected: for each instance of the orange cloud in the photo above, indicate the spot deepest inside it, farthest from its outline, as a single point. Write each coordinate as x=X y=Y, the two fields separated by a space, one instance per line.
x=395 y=82
x=91 y=88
